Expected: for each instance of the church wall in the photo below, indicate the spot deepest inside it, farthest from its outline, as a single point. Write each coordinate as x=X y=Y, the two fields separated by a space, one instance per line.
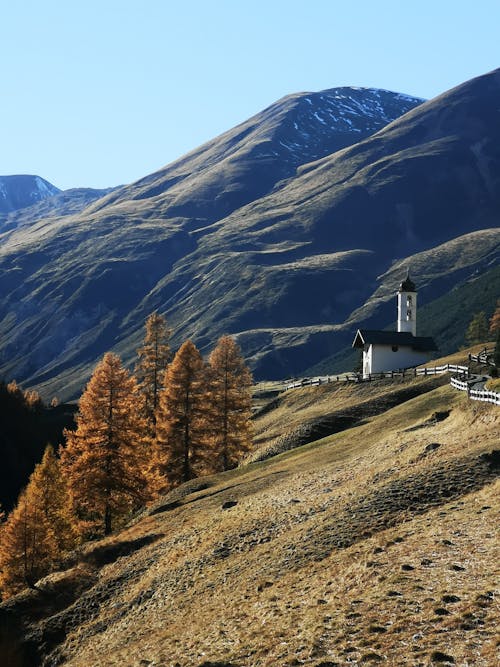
x=382 y=358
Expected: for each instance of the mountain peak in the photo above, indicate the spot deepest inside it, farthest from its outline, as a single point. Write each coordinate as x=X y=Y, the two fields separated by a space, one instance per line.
x=21 y=190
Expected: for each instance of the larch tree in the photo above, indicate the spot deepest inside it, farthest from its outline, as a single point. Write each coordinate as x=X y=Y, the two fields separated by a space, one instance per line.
x=496 y=351
x=38 y=530
x=495 y=319
x=231 y=403
x=103 y=457
x=26 y=545
x=183 y=426
x=52 y=490
x=153 y=359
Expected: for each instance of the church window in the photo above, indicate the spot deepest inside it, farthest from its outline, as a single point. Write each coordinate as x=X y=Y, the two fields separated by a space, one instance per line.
x=408 y=314
x=408 y=300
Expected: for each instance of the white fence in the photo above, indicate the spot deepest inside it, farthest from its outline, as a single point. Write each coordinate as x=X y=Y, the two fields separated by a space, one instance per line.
x=483 y=357
x=446 y=368
x=476 y=394
x=358 y=377
x=349 y=377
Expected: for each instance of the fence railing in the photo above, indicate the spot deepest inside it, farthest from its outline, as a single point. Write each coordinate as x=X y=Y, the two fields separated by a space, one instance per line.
x=457 y=382
x=446 y=368
x=349 y=377
x=483 y=357
x=359 y=377
x=476 y=394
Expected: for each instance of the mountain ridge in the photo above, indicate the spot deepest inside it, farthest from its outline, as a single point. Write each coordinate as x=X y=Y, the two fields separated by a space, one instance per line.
x=215 y=255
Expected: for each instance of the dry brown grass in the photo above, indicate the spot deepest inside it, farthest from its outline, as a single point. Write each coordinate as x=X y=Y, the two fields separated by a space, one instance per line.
x=298 y=408
x=493 y=384
x=461 y=357
x=317 y=561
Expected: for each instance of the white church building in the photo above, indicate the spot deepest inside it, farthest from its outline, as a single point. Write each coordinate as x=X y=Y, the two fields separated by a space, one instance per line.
x=396 y=350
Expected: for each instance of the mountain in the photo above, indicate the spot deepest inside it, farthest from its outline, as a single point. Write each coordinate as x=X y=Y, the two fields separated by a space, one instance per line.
x=287 y=232
x=372 y=545
x=20 y=191
x=246 y=163
x=60 y=204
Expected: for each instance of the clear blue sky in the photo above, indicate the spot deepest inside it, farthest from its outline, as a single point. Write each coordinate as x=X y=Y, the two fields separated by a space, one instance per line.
x=102 y=92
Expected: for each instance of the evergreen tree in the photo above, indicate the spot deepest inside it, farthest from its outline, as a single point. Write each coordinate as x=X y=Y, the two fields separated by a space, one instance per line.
x=231 y=403
x=477 y=331
x=183 y=426
x=154 y=357
x=103 y=458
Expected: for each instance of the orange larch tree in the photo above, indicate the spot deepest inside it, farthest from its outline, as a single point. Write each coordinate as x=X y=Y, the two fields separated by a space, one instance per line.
x=38 y=530
x=183 y=426
x=495 y=319
x=231 y=403
x=153 y=359
x=103 y=459
x=55 y=500
x=26 y=545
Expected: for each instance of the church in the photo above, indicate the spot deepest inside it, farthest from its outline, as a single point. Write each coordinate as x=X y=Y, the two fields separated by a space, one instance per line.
x=396 y=350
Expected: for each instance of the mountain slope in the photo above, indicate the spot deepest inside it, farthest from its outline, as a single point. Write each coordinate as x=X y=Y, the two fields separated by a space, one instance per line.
x=62 y=203
x=241 y=237
x=246 y=162
x=371 y=545
x=20 y=191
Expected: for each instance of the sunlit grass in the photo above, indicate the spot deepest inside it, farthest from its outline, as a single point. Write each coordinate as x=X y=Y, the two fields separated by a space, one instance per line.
x=263 y=583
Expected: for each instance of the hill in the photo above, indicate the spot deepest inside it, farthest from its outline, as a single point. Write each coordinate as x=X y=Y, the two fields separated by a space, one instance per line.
x=288 y=232
x=375 y=544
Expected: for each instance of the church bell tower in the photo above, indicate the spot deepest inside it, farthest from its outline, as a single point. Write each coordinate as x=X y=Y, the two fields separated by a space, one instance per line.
x=407 y=306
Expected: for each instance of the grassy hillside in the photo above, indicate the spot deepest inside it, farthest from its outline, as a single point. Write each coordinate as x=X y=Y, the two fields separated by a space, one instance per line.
x=372 y=545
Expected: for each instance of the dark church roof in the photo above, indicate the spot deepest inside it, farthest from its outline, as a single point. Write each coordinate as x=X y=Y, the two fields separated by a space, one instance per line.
x=407 y=285
x=399 y=338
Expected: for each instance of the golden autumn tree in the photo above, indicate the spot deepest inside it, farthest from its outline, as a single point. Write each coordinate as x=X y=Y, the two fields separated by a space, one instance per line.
x=52 y=490
x=153 y=359
x=495 y=319
x=38 y=530
x=103 y=458
x=231 y=403
x=183 y=425
x=26 y=546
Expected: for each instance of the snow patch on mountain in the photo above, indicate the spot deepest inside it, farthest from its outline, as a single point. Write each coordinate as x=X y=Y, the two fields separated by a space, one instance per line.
x=326 y=121
x=43 y=189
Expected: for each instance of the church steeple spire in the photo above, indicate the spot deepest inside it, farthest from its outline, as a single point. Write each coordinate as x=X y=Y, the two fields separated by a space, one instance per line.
x=407 y=285
x=407 y=305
